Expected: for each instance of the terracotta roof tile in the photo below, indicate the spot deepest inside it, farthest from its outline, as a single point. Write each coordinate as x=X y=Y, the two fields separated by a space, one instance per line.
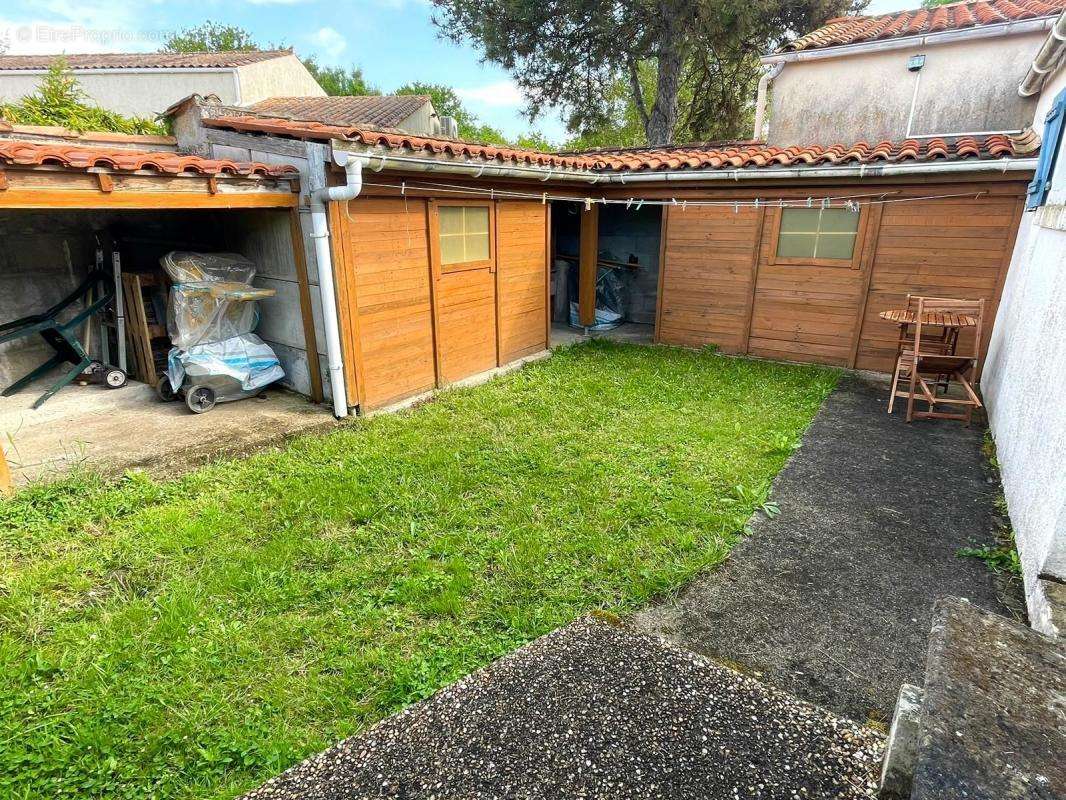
x=707 y=156
x=232 y=58
x=35 y=154
x=757 y=154
x=956 y=16
x=397 y=141
x=388 y=111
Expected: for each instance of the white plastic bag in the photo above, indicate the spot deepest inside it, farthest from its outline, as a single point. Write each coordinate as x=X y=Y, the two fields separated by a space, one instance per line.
x=246 y=359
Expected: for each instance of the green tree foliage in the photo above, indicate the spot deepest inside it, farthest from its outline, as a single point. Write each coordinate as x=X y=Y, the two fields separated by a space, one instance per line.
x=448 y=104
x=689 y=67
x=340 y=81
x=931 y=4
x=211 y=37
x=59 y=100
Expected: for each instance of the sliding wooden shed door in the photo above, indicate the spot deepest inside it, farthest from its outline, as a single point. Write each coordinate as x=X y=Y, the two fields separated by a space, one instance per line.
x=462 y=246
x=521 y=278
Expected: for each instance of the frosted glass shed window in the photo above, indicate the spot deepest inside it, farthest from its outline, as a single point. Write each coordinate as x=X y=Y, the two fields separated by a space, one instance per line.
x=464 y=234
x=817 y=233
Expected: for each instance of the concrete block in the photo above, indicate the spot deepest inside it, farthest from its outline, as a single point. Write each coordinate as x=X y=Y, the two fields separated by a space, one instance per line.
x=994 y=719
x=901 y=751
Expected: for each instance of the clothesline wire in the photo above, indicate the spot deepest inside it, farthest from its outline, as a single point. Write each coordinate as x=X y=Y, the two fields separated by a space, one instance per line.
x=852 y=201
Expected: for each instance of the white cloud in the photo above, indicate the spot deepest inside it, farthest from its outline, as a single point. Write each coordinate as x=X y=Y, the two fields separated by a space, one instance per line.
x=330 y=41
x=37 y=36
x=275 y=2
x=502 y=94
x=96 y=26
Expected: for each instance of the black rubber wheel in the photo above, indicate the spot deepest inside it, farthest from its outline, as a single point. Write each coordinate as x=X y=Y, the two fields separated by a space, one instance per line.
x=199 y=399
x=163 y=390
x=114 y=378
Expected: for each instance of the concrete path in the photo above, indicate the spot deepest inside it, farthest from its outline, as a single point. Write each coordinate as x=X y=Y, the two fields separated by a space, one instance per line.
x=832 y=600
x=594 y=711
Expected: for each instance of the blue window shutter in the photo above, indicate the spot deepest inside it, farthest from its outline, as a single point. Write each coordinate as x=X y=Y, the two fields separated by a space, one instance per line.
x=1050 y=141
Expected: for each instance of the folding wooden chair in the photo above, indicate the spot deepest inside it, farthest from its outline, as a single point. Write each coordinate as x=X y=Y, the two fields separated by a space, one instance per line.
x=932 y=361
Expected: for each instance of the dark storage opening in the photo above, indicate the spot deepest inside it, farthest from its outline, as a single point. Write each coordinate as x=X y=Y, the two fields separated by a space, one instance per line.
x=627 y=265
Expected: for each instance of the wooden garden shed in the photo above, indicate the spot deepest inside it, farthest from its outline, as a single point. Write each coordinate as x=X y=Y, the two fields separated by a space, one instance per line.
x=749 y=274
x=442 y=262
x=446 y=264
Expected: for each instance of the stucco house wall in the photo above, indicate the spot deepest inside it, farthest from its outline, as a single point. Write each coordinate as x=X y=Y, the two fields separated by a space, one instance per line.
x=147 y=92
x=1024 y=387
x=278 y=77
x=136 y=93
x=965 y=86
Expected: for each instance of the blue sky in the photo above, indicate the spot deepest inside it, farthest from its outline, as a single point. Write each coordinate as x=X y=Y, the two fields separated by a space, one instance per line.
x=394 y=41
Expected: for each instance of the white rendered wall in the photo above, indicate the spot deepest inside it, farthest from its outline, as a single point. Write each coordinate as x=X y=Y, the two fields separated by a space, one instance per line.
x=278 y=77
x=1024 y=386
x=968 y=85
x=135 y=94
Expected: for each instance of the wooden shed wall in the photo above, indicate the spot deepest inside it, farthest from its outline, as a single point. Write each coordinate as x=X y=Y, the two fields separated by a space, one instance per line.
x=408 y=327
x=719 y=285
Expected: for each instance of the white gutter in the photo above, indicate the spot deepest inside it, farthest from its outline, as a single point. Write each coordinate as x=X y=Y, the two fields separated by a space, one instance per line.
x=353 y=174
x=956 y=134
x=909 y=42
x=378 y=159
x=1047 y=58
x=853 y=170
x=760 y=98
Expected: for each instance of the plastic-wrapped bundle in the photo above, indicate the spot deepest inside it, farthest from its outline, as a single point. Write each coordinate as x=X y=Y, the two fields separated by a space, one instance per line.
x=186 y=267
x=212 y=298
x=203 y=312
x=611 y=302
x=246 y=359
x=210 y=318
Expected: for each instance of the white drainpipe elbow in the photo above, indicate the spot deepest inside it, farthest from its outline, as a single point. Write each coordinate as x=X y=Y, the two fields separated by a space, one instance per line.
x=1046 y=59
x=353 y=184
x=760 y=99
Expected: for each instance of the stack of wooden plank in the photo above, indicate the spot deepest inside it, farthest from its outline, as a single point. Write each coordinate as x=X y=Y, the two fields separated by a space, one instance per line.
x=146 y=330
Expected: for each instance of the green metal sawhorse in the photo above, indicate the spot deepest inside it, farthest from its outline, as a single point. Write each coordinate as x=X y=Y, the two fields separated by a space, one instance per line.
x=61 y=336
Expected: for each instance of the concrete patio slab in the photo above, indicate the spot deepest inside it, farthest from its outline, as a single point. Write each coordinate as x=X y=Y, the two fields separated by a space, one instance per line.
x=595 y=711
x=832 y=600
x=632 y=332
x=120 y=429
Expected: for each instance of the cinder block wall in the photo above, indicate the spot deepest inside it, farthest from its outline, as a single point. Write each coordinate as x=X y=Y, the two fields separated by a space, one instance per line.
x=630 y=232
x=42 y=260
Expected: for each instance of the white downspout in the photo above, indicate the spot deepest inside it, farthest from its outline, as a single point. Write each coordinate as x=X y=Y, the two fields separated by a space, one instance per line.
x=353 y=173
x=760 y=98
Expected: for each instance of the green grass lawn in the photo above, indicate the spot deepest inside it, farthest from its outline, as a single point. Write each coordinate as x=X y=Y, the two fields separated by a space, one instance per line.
x=191 y=638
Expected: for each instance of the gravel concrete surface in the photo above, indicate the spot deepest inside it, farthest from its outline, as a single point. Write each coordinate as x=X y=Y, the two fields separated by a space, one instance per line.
x=832 y=600
x=596 y=711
